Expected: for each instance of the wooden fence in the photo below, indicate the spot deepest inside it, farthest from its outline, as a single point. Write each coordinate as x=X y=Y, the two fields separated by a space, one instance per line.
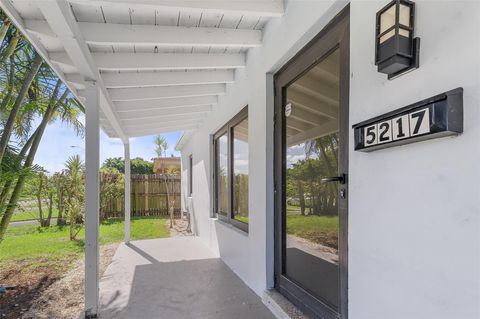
x=148 y=197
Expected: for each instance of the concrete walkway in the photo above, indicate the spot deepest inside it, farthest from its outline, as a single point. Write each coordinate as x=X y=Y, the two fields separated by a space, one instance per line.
x=174 y=278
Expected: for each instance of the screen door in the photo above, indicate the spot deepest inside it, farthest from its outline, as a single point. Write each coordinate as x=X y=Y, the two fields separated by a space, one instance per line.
x=311 y=177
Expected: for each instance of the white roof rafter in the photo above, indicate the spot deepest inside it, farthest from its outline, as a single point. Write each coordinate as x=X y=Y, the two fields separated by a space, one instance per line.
x=61 y=19
x=265 y=8
x=124 y=34
x=159 y=64
x=158 y=61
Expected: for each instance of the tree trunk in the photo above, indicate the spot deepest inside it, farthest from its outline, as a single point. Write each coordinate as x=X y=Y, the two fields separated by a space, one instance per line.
x=60 y=206
x=53 y=103
x=11 y=47
x=10 y=84
x=8 y=128
x=50 y=209
x=301 y=193
x=9 y=183
x=4 y=29
x=39 y=200
x=333 y=188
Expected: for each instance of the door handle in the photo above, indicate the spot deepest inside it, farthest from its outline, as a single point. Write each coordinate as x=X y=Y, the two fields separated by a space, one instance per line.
x=342 y=179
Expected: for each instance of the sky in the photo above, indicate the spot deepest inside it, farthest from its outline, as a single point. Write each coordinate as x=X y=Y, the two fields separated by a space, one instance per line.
x=59 y=142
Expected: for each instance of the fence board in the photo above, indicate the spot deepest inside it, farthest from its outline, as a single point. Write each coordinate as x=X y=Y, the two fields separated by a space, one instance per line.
x=148 y=196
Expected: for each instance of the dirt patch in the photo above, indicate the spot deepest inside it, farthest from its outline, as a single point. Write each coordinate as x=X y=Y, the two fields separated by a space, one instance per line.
x=180 y=227
x=30 y=278
x=65 y=298
x=50 y=290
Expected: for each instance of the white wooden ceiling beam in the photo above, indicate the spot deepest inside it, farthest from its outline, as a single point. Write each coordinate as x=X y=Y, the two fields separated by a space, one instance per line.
x=313 y=133
x=261 y=8
x=61 y=20
x=166 y=78
x=193 y=110
x=166 y=118
x=132 y=126
x=165 y=129
x=167 y=61
x=318 y=90
x=312 y=104
x=158 y=61
x=127 y=34
x=134 y=106
x=152 y=93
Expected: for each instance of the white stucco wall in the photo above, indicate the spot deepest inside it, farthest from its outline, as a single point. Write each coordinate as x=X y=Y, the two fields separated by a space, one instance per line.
x=414 y=229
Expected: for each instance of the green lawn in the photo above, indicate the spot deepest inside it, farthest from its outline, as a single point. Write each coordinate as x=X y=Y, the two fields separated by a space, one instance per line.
x=32 y=242
x=20 y=216
x=319 y=229
x=243 y=219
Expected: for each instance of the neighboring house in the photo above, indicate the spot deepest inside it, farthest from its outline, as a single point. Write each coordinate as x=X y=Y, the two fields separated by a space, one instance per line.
x=269 y=94
x=167 y=165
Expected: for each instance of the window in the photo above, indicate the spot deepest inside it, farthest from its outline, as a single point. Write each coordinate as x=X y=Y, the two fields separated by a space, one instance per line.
x=190 y=176
x=231 y=171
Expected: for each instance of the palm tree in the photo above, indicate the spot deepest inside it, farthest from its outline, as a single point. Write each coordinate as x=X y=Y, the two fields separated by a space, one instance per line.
x=75 y=176
x=62 y=107
x=161 y=149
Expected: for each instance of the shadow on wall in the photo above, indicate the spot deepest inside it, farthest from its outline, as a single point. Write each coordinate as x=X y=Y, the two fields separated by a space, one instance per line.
x=204 y=288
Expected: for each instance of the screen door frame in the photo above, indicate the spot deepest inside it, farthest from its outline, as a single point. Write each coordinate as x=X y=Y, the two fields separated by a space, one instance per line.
x=336 y=35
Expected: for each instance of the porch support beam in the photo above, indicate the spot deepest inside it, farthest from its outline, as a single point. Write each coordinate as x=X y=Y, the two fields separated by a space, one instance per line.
x=154 y=114
x=92 y=199
x=164 y=118
x=165 y=78
x=163 y=129
x=135 y=106
x=127 y=191
x=269 y=8
x=63 y=24
x=158 y=61
x=137 y=94
x=128 y=34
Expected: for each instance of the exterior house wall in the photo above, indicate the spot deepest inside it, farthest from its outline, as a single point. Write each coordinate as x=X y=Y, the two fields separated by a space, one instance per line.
x=414 y=210
x=414 y=250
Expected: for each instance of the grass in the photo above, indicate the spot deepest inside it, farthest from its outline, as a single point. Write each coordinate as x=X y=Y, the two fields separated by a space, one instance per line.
x=51 y=243
x=32 y=215
x=319 y=229
x=243 y=219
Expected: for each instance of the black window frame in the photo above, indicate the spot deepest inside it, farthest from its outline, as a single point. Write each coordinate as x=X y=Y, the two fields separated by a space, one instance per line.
x=228 y=130
x=190 y=175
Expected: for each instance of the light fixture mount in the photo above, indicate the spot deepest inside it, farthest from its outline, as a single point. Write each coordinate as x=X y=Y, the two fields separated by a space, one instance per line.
x=396 y=49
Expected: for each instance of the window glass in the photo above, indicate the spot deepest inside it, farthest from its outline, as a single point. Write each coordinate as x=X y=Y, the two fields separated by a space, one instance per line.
x=222 y=174
x=240 y=171
x=312 y=144
x=231 y=171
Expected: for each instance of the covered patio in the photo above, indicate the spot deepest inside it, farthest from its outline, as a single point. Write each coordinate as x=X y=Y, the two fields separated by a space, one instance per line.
x=142 y=68
x=174 y=278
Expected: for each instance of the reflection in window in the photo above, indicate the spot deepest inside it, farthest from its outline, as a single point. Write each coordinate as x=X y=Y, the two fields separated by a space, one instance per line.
x=312 y=144
x=222 y=176
x=231 y=171
x=240 y=171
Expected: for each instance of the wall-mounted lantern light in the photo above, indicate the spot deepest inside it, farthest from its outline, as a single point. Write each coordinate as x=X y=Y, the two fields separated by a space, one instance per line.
x=396 y=50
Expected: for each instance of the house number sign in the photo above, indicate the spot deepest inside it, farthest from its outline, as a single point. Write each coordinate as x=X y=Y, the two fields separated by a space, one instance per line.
x=438 y=116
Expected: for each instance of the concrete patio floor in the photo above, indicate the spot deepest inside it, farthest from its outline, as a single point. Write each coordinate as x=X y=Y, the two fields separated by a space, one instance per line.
x=174 y=278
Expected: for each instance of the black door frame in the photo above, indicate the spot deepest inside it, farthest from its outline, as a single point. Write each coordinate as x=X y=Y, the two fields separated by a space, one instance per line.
x=336 y=35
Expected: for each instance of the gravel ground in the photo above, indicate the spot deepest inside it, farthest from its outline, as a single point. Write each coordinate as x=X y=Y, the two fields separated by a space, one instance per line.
x=64 y=299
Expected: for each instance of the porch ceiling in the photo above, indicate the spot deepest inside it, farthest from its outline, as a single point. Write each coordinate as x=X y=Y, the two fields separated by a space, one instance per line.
x=160 y=64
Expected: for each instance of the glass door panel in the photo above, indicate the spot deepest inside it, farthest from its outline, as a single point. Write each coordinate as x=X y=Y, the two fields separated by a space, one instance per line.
x=311 y=117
